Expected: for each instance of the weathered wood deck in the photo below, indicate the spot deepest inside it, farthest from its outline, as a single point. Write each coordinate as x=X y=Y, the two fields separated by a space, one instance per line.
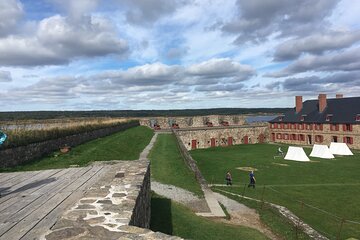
x=31 y=202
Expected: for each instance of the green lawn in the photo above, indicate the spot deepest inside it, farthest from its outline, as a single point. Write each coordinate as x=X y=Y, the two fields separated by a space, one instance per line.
x=174 y=219
x=330 y=185
x=124 y=145
x=168 y=166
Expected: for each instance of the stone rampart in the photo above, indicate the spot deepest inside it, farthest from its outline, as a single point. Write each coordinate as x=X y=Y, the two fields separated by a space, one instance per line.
x=193 y=122
x=223 y=136
x=19 y=155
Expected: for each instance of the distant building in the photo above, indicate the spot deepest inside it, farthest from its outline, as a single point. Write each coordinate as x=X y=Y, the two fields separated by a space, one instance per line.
x=319 y=121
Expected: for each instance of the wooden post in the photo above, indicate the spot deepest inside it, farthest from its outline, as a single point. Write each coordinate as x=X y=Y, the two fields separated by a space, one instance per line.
x=340 y=228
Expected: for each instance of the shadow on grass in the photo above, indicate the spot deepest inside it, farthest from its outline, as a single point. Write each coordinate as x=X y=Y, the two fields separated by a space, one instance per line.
x=161 y=219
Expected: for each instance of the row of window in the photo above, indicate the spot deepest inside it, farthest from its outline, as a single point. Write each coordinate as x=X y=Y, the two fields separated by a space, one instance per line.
x=301 y=137
x=327 y=119
x=310 y=126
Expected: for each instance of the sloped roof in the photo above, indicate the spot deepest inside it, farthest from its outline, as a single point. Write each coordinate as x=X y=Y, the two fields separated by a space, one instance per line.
x=343 y=110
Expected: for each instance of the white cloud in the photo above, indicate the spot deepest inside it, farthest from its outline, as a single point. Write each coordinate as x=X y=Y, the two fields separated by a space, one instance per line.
x=10 y=12
x=221 y=68
x=345 y=61
x=316 y=44
x=58 y=41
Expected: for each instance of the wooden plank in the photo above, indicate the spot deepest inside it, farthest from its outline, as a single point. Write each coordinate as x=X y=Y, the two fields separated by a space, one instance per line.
x=49 y=220
x=6 y=176
x=28 y=206
x=18 y=179
x=33 y=181
x=25 y=224
x=14 y=218
x=16 y=203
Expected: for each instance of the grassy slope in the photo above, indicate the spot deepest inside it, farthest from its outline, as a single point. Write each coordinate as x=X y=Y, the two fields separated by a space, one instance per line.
x=174 y=219
x=167 y=165
x=341 y=198
x=125 y=145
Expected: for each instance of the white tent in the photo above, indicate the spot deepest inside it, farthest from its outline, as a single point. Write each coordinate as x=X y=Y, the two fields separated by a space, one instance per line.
x=321 y=151
x=340 y=149
x=296 y=154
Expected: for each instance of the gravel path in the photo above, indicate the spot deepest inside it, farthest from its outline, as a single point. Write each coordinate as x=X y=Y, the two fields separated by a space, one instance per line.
x=181 y=196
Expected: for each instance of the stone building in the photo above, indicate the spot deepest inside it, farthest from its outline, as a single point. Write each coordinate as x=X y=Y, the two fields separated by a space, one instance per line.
x=193 y=121
x=222 y=136
x=320 y=121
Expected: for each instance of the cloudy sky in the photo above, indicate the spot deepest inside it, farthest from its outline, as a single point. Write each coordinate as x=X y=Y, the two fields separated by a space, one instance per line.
x=175 y=54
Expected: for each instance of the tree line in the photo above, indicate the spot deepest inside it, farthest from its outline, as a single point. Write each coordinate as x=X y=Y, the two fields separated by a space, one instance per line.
x=24 y=115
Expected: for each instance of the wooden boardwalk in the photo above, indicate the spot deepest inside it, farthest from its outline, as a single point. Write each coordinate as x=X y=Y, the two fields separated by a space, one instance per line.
x=31 y=202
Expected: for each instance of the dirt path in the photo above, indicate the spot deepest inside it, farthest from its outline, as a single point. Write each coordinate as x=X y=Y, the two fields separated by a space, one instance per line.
x=244 y=216
x=240 y=214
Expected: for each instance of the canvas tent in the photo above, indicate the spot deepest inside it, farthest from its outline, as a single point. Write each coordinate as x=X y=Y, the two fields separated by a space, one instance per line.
x=340 y=149
x=321 y=151
x=296 y=154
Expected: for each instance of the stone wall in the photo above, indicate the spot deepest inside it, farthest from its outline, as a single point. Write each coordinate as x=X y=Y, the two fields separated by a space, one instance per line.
x=310 y=133
x=20 y=155
x=116 y=207
x=141 y=214
x=232 y=135
x=193 y=122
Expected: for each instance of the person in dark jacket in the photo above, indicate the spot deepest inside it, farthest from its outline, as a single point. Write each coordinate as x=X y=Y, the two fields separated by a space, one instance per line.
x=252 y=179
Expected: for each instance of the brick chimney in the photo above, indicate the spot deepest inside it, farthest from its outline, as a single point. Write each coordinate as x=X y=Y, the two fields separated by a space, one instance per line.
x=338 y=95
x=322 y=102
x=298 y=103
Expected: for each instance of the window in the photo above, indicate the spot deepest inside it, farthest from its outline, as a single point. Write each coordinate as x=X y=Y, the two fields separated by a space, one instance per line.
x=286 y=136
x=347 y=127
x=279 y=136
x=293 y=126
x=308 y=126
x=334 y=139
x=334 y=127
x=293 y=137
x=348 y=140
x=328 y=117
x=319 y=138
x=301 y=137
x=318 y=126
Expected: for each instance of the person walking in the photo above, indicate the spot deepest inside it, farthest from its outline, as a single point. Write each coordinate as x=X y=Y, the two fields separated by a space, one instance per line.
x=228 y=179
x=252 y=179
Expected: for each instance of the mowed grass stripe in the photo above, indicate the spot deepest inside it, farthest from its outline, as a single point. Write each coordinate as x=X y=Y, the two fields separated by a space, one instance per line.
x=168 y=166
x=124 y=145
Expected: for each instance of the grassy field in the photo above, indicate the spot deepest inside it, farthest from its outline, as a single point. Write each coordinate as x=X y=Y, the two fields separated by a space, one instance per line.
x=174 y=219
x=124 y=145
x=333 y=186
x=168 y=166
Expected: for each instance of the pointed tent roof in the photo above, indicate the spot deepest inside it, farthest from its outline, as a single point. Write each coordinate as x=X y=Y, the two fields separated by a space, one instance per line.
x=321 y=151
x=340 y=149
x=296 y=154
